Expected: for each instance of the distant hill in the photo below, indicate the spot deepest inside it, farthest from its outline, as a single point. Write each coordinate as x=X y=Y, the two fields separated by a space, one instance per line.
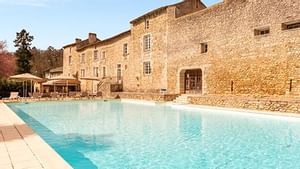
x=7 y=64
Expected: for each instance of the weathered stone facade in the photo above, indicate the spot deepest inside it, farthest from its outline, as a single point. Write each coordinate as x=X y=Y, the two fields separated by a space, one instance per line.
x=247 y=49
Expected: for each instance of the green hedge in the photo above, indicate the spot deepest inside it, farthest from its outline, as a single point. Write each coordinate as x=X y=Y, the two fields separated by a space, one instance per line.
x=7 y=86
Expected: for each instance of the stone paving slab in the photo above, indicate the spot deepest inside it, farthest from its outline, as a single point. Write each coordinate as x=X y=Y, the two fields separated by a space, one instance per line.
x=22 y=148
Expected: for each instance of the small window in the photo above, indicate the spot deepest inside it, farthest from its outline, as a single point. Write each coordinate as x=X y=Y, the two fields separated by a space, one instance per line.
x=147 y=23
x=70 y=60
x=103 y=55
x=291 y=25
x=82 y=73
x=103 y=71
x=125 y=49
x=204 y=47
x=261 y=31
x=82 y=58
x=147 y=43
x=147 y=68
x=96 y=72
x=95 y=55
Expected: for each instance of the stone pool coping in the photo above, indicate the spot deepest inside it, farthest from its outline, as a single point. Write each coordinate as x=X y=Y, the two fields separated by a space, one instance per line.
x=21 y=147
x=227 y=109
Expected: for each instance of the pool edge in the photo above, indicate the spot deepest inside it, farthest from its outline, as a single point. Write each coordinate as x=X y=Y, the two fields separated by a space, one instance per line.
x=42 y=152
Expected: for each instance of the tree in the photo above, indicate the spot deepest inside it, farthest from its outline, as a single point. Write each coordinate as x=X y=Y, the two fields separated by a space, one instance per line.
x=7 y=61
x=23 y=54
x=2 y=47
x=43 y=60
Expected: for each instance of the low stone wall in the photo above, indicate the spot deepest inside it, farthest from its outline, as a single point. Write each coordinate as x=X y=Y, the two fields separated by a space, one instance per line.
x=144 y=96
x=289 y=105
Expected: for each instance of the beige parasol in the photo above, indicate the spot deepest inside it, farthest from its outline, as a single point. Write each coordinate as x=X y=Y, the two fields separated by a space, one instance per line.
x=26 y=77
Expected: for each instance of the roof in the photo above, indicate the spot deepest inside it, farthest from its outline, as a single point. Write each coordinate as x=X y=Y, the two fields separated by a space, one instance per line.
x=26 y=76
x=151 y=12
x=106 y=40
x=116 y=36
x=159 y=9
x=55 y=70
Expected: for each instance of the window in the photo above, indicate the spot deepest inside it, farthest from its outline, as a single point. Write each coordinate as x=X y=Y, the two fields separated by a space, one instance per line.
x=103 y=55
x=147 y=68
x=96 y=72
x=261 y=31
x=119 y=73
x=125 y=49
x=104 y=72
x=82 y=73
x=147 y=23
x=291 y=25
x=147 y=42
x=70 y=60
x=95 y=55
x=204 y=47
x=82 y=58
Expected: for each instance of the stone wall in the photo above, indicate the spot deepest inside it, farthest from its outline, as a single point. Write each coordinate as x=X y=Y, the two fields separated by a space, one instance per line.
x=137 y=80
x=255 y=65
x=237 y=61
x=113 y=48
x=143 y=96
x=288 y=105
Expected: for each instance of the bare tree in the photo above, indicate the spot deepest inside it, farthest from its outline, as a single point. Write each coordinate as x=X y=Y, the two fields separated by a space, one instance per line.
x=3 y=47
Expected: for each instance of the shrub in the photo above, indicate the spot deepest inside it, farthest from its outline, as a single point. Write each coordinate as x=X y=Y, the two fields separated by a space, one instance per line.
x=7 y=86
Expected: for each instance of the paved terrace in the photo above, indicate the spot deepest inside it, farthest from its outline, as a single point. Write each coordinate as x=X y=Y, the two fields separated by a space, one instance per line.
x=22 y=148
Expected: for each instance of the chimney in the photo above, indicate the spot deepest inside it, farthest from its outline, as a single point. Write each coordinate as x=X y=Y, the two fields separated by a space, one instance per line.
x=77 y=40
x=92 y=37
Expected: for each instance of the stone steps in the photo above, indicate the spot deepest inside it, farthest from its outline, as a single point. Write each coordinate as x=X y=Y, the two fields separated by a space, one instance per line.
x=183 y=99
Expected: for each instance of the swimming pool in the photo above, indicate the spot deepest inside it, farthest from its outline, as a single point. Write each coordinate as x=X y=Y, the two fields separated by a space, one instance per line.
x=126 y=135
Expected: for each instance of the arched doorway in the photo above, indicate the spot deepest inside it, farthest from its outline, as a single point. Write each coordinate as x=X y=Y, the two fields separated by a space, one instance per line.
x=191 y=81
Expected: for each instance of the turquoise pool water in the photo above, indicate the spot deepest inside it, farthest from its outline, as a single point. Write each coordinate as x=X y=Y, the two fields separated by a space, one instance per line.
x=122 y=135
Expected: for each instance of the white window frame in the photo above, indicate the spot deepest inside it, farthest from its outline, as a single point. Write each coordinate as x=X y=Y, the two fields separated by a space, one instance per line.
x=104 y=71
x=147 y=42
x=96 y=71
x=70 y=60
x=125 y=49
x=82 y=58
x=96 y=57
x=82 y=72
x=147 y=69
x=147 y=23
x=103 y=56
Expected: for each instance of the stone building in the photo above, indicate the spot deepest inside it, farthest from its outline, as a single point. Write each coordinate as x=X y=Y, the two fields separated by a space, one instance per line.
x=236 y=47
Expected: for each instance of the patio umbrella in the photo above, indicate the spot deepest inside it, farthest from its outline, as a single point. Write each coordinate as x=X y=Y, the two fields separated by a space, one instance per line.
x=65 y=79
x=92 y=79
x=26 y=77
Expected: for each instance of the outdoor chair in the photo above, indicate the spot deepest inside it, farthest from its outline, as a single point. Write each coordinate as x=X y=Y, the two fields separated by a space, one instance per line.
x=84 y=95
x=99 y=94
x=37 y=95
x=74 y=95
x=54 y=95
x=13 y=96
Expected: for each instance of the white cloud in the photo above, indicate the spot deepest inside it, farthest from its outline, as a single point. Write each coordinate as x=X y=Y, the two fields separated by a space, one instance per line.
x=35 y=3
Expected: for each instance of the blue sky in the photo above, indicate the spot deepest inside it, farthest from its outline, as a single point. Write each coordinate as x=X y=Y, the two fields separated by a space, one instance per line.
x=59 y=22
